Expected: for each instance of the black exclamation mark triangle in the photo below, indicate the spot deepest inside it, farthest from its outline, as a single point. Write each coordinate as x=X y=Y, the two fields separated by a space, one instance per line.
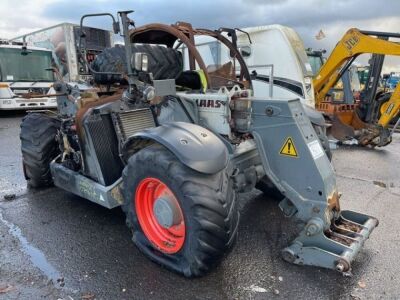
x=288 y=148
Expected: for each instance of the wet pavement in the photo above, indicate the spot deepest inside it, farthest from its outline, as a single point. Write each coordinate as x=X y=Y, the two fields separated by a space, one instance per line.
x=58 y=246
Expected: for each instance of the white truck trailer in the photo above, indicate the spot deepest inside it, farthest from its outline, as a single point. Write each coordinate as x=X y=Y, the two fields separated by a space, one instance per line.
x=24 y=81
x=63 y=41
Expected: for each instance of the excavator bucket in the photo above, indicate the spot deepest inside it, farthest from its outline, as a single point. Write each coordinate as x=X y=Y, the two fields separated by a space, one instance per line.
x=341 y=118
x=340 y=130
x=346 y=124
x=330 y=238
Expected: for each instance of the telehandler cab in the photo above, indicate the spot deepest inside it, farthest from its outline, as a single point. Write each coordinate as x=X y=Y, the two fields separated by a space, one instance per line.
x=173 y=147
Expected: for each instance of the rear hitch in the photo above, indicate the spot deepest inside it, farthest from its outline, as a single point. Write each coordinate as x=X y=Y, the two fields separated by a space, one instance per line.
x=333 y=248
x=331 y=238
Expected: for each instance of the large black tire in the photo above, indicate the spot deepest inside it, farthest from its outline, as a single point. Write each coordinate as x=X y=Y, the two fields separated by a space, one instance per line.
x=39 y=147
x=110 y=60
x=164 y=63
x=208 y=204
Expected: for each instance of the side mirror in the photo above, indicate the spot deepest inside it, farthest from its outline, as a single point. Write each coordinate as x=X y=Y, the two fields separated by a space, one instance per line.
x=140 y=62
x=25 y=51
x=245 y=51
x=116 y=27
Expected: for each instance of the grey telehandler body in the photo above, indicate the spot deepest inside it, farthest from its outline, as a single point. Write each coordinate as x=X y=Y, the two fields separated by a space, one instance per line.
x=174 y=147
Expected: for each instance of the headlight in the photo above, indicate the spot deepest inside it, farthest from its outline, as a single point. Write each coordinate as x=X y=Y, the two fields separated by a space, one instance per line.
x=140 y=62
x=149 y=93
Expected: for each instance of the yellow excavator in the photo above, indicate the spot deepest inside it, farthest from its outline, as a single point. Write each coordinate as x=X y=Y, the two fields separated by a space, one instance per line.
x=368 y=119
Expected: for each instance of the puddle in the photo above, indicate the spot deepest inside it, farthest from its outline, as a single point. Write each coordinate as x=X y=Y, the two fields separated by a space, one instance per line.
x=36 y=256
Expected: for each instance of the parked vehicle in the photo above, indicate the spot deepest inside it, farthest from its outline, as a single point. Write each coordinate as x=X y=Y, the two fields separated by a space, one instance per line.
x=391 y=80
x=25 y=79
x=367 y=121
x=173 y=147
x=63 y=40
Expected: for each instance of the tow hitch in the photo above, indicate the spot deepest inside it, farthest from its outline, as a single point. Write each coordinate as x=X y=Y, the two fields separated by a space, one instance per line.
x=334 y=248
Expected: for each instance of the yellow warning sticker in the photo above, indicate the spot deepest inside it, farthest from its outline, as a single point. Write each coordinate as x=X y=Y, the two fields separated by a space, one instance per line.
x=288 y=148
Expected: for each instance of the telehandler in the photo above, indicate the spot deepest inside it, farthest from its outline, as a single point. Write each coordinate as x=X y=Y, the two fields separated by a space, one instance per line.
x=367 y=121
x=173 y=148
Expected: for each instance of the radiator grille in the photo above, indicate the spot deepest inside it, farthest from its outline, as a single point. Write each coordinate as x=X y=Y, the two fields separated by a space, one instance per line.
x=133 y=121
x=101 y=131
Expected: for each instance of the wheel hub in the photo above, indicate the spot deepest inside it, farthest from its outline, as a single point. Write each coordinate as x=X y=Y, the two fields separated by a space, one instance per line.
x=160 y=215
x=166 y=212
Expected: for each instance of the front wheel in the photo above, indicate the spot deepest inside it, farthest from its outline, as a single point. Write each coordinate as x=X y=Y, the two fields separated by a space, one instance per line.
x=180 y=218
x=39 y=147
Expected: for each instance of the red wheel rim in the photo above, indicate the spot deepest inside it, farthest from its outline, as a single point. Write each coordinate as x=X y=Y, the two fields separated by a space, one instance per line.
x=168 y=240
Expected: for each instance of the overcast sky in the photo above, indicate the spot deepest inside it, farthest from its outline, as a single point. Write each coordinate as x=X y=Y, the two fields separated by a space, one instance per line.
x=307 y=17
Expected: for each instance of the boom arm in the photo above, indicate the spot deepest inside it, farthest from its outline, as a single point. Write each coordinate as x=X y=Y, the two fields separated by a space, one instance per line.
x=352 y=44
x=391 y=108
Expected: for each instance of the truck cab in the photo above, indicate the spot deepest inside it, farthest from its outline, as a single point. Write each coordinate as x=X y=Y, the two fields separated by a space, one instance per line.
x=25 y=81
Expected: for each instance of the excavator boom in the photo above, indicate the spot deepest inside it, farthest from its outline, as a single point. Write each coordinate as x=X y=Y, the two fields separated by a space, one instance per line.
x=390 y=109
x=353 y=43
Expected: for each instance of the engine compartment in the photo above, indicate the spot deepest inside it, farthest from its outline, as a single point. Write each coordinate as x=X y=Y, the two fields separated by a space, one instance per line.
x=95 y=130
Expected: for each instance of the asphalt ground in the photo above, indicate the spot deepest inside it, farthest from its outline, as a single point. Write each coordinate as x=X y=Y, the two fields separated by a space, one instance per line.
x=54 y=245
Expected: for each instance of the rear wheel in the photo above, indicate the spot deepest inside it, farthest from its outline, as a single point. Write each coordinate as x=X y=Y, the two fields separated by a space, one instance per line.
x=180 y=218
x=39 y=147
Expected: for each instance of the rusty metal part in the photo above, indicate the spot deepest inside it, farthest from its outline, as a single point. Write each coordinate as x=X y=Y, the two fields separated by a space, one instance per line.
x=244 y=71
x=157 y=33
x=35 y=95
x=342 y=265
x=367 y=136
x=333 y=202
x=349 y=226
x=357 y=123
x=189 y=28
x=89 y=103
x=226 y=70
x=339 y=238
x=346 y=123
x=339 y=130
x=116 y=193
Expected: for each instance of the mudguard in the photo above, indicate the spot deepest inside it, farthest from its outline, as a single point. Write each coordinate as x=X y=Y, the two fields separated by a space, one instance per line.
x=196 y=147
